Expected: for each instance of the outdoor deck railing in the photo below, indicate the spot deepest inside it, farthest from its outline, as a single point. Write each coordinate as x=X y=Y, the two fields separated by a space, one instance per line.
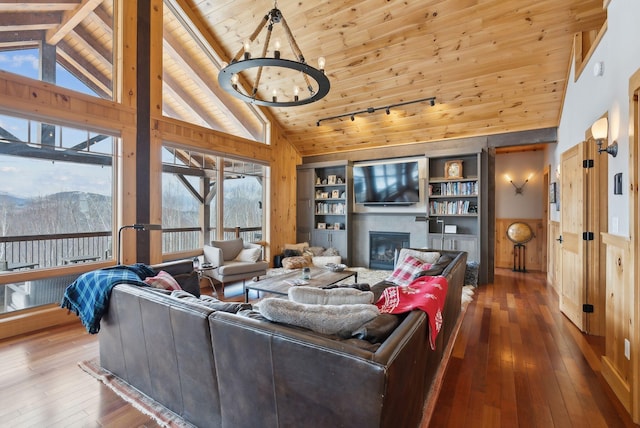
x=59 y=249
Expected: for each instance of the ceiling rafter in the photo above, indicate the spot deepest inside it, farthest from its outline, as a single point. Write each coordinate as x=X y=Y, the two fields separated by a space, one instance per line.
x=207 y=84
x=71 y=19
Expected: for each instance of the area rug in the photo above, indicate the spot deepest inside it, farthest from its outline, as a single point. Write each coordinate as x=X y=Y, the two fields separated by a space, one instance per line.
x=148 y=406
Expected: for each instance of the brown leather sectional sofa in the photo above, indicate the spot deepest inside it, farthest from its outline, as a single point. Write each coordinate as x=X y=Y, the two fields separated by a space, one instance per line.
x=221 y=369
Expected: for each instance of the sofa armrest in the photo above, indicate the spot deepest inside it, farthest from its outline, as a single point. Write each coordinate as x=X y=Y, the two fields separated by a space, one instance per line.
x=213 y=255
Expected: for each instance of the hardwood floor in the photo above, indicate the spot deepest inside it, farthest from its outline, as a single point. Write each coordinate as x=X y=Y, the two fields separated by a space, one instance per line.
x=516 y=362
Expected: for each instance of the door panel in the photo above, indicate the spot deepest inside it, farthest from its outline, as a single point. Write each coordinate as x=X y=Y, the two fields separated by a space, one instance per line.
x=572 y=222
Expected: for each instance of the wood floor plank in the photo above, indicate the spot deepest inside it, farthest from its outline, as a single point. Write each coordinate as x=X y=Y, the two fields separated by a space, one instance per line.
x=530 y=366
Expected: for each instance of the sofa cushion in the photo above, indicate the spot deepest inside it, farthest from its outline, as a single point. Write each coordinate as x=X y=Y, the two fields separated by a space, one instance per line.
x=406 y=270
x=230 y=248
x=334 y=296
x=234 y=268
x=325 y=319
x=163 y=280
x=378 y=329
x=251 y=255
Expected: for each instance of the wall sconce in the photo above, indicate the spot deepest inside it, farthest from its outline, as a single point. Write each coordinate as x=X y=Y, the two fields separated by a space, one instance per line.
x=599 y=130
x=519 y=189
x=138 y=227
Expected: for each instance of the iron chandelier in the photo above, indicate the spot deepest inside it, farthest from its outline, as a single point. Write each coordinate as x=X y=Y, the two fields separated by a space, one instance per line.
x=313 y=80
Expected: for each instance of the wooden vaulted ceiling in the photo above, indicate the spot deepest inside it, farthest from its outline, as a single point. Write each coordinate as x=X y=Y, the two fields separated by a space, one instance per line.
x=494 y=66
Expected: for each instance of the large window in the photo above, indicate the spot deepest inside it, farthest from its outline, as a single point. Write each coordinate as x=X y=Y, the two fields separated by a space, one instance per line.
x=192 y=183
x=78 y=56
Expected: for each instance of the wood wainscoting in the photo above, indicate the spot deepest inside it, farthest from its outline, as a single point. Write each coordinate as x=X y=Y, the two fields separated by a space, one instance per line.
x=536 y=251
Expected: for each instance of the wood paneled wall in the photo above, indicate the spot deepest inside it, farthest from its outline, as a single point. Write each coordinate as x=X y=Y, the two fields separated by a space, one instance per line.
x=616 y=368
x=535 y=249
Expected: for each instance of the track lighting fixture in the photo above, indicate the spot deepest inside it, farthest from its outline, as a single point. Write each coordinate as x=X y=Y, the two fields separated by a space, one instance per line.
x=387 y=109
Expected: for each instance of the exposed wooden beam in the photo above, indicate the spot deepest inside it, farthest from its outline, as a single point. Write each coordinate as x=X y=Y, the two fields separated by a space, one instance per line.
x=71 y=19
x=85 y=69
x=29 y=21
x=37 y=5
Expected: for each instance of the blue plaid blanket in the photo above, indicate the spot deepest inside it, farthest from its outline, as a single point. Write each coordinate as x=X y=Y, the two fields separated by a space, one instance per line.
x=88 y=296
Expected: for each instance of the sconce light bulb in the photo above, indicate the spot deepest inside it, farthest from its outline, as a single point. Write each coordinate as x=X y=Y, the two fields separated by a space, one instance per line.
x=599 y=129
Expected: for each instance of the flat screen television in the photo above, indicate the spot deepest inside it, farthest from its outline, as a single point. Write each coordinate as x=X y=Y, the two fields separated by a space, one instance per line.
x=393 y=183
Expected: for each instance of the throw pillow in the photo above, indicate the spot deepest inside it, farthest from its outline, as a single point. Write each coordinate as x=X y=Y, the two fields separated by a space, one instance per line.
x=298 y=247
x=331 y=252
x=163 y=280
x=426 y=256
x=294 y=262
x=335 y=296
x=249 y=255
x=291 y=253
x=406 y=270
x=325 y=319
x=316 y=251
x=230 y=248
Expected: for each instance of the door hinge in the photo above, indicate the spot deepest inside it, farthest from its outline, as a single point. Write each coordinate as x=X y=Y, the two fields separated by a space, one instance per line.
x=587 y=163
x=587 y=236
x=588 y=308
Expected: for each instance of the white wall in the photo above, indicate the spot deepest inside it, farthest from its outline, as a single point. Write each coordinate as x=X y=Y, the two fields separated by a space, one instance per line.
x=519 y=166
x=590 y=97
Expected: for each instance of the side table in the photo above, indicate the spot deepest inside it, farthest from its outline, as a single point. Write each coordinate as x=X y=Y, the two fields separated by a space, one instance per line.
x=201 y=275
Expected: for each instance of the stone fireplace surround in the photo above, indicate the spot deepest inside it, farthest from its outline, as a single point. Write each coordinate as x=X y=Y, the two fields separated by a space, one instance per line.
x=362 y=224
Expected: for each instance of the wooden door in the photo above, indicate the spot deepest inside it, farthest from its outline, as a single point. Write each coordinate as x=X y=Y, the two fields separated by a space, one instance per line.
x=572 y=225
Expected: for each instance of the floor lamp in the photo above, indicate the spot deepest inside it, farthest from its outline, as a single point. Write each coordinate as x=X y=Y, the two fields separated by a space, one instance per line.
x=138 y=227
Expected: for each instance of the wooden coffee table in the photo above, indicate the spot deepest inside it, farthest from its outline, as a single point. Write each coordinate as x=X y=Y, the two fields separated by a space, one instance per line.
x=278 y=284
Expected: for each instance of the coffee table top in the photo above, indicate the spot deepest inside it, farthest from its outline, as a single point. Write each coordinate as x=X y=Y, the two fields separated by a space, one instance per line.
x=278 y=284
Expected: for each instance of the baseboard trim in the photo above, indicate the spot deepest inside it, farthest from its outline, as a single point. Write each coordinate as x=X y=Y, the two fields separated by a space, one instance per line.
x=31 y=320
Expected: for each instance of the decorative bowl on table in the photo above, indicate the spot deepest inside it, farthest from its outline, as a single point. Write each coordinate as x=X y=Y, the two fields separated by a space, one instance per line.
x=335 y=267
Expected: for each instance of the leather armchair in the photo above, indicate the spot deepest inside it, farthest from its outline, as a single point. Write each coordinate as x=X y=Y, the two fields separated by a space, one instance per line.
x=235 y=261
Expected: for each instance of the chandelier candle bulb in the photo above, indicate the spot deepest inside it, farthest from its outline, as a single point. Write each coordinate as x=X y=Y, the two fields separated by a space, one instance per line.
x=276 y=45
x=274 y=96
x=321 y=63
x=247 y=49
x=296 y=92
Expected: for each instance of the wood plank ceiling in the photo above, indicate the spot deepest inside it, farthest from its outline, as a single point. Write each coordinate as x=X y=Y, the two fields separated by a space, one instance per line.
x=494 y=66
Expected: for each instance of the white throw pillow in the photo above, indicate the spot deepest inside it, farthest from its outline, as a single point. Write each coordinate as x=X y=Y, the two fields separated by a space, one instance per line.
x=426 y=256
x=209 y=253
x=249 y=255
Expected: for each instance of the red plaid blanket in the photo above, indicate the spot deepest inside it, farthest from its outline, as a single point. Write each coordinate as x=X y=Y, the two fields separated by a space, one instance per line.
x=426 y=293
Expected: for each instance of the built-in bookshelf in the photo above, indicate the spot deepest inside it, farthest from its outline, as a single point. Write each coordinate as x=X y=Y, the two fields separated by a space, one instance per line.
x=323 y=215
x=453 y=208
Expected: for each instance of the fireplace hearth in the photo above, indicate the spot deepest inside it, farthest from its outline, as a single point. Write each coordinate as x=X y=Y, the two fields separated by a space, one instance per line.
x=382 y=247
